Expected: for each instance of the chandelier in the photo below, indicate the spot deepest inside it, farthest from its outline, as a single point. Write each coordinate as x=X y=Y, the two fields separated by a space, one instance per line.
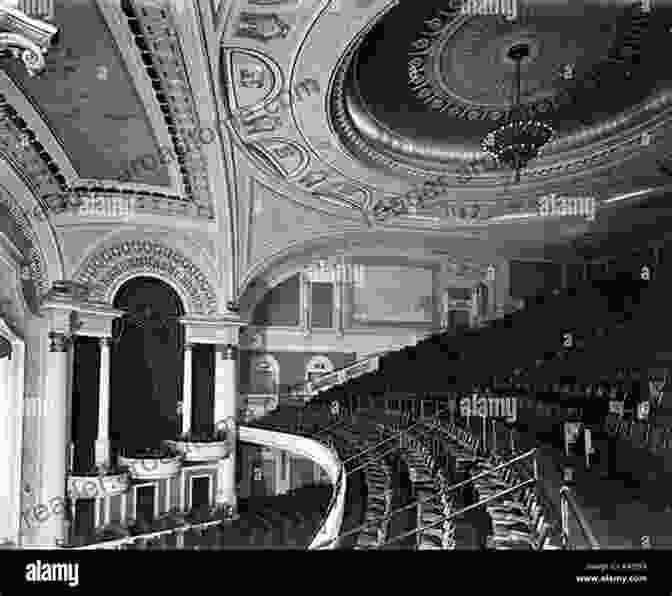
x=520 y=139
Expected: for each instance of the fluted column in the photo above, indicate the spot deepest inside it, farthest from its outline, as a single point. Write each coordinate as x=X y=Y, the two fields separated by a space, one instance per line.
x=103 y=440
x=6 y=488
x=187 y=388
x=51 y=529
x=226 y=389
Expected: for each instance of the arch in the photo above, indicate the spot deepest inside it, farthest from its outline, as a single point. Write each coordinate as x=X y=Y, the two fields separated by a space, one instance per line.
x=146 y=374
x=43 y=255
x=106 y=269
x=317 y=366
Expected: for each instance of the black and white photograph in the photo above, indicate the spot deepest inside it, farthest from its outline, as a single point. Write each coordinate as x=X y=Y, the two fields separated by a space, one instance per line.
x=336 y=275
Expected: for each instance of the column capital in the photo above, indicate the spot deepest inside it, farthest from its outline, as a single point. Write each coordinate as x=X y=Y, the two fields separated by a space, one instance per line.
x=189 y=345
x=228 y=351
x=60 y=342
x=105 y=342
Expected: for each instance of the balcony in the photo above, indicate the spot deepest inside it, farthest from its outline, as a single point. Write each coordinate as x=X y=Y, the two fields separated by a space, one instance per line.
x=98 y=483
x=152 y=464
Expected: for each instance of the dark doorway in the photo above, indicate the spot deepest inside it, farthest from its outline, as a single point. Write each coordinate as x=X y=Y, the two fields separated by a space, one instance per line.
x=84 y=425
x=147 y=365
x=200 y=492
x=144 y=506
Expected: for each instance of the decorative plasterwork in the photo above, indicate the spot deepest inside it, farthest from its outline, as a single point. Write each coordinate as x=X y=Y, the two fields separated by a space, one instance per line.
x=157 y=37
x=34 y=268
x=23 y=37
x=107 y=268
x=39 y=169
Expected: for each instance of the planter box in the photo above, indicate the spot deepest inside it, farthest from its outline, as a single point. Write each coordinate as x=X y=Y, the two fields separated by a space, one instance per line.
x=201 y=451
x=151 y=468
x=96 y=487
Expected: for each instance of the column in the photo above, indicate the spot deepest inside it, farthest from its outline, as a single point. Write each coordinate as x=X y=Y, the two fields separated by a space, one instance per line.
x=102 y=447
x=437 y=301
x=186 y=389
x=51 y=518
x=225 y=410
x=306 y=302
x=445 y=310
x=503 y=285
x=339 y=284
x=6 y=487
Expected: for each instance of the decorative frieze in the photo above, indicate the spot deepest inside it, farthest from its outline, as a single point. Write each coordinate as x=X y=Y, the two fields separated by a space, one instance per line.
x=105 y=268
x=59 y=342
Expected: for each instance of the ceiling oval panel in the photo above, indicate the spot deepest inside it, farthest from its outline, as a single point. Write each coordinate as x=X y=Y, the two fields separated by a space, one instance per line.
x=449 y=79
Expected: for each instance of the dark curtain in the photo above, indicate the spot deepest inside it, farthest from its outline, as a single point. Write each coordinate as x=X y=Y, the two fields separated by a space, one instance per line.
x=85 y=401
x=203 y=387
x=147 y=365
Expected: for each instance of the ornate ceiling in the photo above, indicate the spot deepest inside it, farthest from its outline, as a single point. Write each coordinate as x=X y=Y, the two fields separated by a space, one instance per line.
x=266 y=129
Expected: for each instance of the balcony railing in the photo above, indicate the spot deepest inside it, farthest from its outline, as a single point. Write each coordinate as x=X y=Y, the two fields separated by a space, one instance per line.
x=144 y=539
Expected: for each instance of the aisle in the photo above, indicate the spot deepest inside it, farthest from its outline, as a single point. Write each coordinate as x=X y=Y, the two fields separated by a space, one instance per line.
x=620 y=511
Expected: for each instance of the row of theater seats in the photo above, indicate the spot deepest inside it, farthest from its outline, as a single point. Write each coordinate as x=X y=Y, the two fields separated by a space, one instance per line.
x=374 y=480
x=520 y=523
x=521 y=519
x=579 y=337
x=378 y=480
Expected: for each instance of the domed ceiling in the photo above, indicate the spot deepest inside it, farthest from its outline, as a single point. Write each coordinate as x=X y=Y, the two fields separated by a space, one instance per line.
x=428 y=85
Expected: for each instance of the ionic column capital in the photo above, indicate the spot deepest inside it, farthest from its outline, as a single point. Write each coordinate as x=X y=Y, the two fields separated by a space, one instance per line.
x=59 y=342
x=228 y=351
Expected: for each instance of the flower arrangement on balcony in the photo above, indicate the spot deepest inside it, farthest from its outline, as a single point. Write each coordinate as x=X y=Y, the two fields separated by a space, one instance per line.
x=203 y=446
x=151 y=463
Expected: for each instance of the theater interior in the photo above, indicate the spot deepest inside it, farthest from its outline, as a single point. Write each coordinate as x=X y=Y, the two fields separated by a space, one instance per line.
x=335 y=274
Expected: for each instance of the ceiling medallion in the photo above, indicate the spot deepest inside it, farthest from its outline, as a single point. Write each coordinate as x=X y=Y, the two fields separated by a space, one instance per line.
x=520 y=139
x=425 y=67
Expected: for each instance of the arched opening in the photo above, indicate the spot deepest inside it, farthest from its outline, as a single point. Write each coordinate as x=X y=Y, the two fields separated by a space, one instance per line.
x=146 y=365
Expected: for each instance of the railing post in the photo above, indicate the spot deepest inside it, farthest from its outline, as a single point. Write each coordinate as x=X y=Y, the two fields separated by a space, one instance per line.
x=564 y=514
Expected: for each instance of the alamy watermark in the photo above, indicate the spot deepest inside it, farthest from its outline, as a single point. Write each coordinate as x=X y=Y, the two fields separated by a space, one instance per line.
x=553 y=205
x=505 y=8
x=490 y=407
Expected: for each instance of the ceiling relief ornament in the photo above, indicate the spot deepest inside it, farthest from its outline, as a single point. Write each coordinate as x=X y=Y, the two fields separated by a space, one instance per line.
x=277 y=4
x=261 y=27
x=25 y=38
x=103 y=270
x=286 y=157
x=159 y=44
x=442 y=84
x=253 y=79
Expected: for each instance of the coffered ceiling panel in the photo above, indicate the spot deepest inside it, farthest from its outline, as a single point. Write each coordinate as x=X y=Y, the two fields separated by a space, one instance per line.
x=88 y=98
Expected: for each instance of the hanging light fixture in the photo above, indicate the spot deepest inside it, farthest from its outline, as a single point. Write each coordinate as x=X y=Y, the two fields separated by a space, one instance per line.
x=520 y=139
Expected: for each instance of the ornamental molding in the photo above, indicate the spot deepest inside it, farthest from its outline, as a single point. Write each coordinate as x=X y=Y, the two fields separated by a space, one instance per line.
x=25 y=38
x=20 y=146
x=158 y=38
x=106 y=269
x=35 y=267
x=576 y=154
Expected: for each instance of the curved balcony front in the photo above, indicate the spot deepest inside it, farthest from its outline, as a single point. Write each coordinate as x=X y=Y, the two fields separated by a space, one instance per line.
x=151 y=468
x=324 y=457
